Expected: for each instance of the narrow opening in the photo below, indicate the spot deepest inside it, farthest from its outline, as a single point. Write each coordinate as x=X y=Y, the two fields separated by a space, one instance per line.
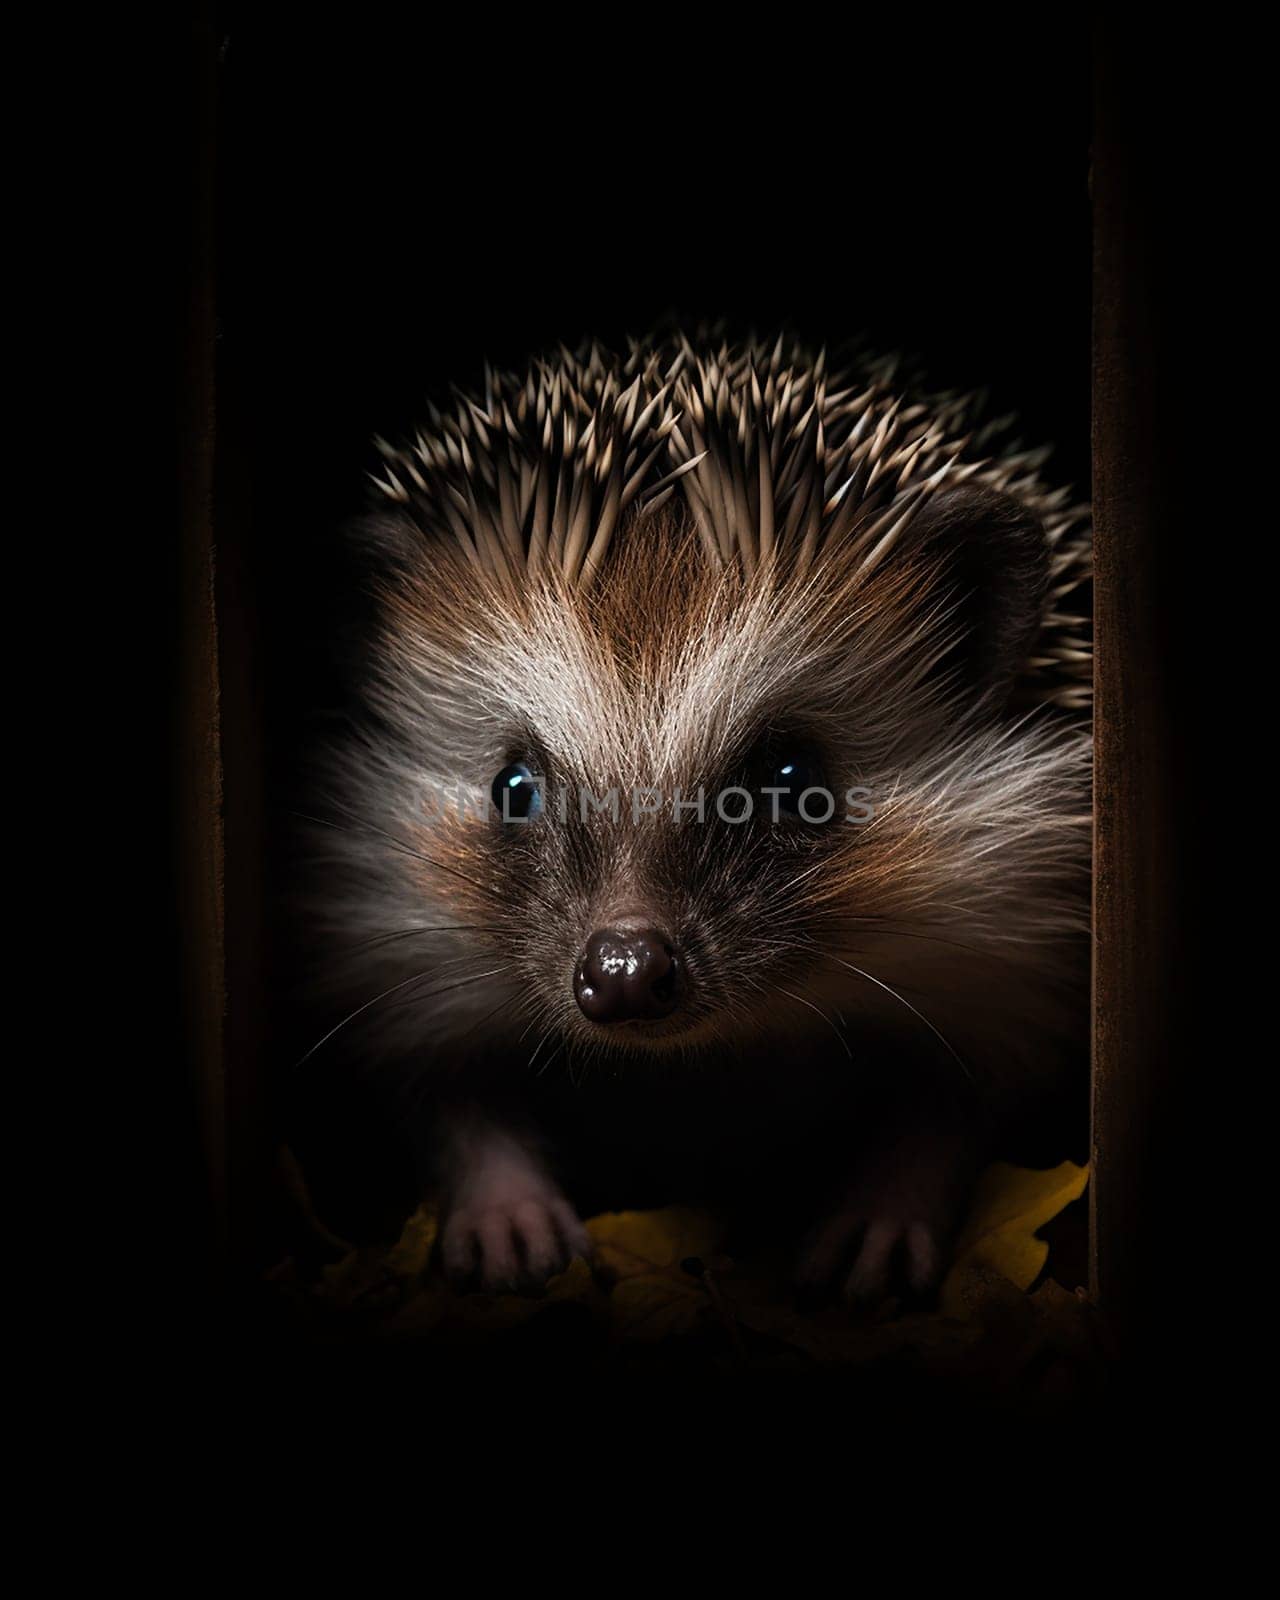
x=350 y=297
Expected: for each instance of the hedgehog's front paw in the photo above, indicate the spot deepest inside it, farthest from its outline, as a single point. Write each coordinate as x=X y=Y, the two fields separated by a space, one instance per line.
x=867 y=1257
x=890 y=1232
x=506 y=1225
x=511 y=1243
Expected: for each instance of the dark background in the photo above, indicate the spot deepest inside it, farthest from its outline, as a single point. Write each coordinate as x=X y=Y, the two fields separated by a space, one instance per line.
x=394 y=208
x=391 y=207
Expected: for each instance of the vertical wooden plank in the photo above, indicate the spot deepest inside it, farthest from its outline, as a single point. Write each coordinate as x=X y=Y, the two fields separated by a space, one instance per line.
x=198 y=734
x=1144 y=199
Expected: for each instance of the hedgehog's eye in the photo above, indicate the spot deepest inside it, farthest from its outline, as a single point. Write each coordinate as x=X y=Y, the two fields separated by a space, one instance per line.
x=517 y=795
x=791 y=777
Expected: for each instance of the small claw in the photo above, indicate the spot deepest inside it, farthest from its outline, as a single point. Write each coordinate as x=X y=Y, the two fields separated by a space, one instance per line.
x=537 y=1239
x=868 y=1281
x=498 y=1263
x=924 y=1259
x=576 y=1238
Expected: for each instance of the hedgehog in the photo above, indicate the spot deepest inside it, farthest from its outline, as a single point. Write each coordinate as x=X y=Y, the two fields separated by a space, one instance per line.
x=716 y=823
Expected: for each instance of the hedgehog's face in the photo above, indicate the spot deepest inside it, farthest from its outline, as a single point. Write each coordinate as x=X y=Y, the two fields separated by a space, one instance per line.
x=667 y=911
x=705 y=791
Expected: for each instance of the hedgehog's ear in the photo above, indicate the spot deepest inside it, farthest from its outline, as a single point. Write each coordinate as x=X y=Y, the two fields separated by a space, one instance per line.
x=994 y=559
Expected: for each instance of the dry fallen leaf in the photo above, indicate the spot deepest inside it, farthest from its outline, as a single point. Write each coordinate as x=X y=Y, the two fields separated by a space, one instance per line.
x=648 y=1284
x=641 y=1252
x=1010 y=1206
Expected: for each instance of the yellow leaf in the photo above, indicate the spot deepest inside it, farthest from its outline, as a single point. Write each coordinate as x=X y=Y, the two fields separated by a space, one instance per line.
x=629 y=1243
x=1009 y=1206
x=409 y=1255
x=644 y=1293
x=378 y=1279
x=496 y=1313
x=642 y=1251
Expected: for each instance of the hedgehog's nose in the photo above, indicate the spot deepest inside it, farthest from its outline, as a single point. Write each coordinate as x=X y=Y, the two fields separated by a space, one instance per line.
x=628 y=977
